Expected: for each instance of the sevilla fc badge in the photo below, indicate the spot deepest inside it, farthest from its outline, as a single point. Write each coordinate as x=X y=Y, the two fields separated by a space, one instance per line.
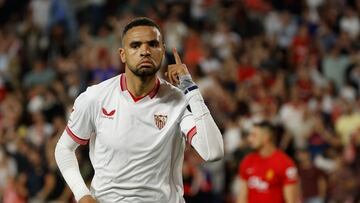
x=160 y=121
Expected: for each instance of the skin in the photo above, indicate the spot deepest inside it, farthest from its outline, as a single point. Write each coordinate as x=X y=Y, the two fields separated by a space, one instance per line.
x=261 y=140
x=87 y=199
x=142 y=53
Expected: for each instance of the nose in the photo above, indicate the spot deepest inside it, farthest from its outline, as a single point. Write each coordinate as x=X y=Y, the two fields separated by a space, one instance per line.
x=145 y=50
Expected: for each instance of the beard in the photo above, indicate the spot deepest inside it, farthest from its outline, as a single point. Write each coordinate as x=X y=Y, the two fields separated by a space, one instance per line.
x=256 y=146
x=144 y=71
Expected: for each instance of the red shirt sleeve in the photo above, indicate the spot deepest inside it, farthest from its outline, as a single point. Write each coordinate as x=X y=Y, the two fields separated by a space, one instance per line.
x=290 y=173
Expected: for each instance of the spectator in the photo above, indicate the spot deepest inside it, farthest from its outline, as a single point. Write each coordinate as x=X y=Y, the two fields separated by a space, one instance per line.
x=348 y=122
x=39 y=75
x=296 y=66
x=313 y=180
x=342 y=182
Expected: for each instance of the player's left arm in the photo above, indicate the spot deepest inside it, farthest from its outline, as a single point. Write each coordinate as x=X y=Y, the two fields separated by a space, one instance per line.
x=208 y=140
x=291 y=189
x=291 y=193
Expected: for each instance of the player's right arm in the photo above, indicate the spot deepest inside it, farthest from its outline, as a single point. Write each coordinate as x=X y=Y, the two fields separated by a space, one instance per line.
x=69 y=167
x=243 y=193
x=243 y=176
x=78 y=131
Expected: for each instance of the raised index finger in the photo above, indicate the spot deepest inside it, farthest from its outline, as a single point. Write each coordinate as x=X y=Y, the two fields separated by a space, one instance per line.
x=176 y=56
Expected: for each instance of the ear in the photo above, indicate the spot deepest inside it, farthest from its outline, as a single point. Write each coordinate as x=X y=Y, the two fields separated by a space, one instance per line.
x=122 y=55
x=164 y=47
x=269 y=137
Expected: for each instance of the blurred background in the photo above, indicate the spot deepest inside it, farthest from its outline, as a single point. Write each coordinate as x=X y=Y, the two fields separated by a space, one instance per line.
x=295 y=63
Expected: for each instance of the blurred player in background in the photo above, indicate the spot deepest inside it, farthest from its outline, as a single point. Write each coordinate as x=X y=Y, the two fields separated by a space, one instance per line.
x=268 y=174
x=137 y=125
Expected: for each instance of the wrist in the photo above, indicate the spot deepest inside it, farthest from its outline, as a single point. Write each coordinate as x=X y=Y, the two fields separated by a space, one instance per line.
x=191 y=88
x=185 y=82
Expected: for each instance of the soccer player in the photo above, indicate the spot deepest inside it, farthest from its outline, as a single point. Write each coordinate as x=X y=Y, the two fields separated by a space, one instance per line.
x=267 y=175
x=136 y=125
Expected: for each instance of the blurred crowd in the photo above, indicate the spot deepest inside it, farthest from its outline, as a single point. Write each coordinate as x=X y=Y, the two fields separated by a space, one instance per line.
x=295 y=63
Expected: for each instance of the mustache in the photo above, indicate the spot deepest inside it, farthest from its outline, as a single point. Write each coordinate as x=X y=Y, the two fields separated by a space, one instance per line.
x=147 y=60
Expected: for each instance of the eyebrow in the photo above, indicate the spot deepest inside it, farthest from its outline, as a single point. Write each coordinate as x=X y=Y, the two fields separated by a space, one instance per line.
x=133 y=43
x=141 y=42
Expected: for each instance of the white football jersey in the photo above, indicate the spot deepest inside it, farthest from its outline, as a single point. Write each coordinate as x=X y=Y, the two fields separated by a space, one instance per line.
x=136 y=144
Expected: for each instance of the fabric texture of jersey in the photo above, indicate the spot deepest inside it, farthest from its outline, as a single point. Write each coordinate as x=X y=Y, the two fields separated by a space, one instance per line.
x=266 y=177
x=133 y=141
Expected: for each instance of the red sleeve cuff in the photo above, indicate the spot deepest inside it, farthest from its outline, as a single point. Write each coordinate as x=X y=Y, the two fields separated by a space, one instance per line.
x=289 y=182
x=191 y=134
x=77 y=139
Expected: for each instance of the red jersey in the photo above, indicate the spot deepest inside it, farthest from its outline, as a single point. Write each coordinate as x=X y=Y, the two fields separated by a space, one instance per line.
x=267 y=176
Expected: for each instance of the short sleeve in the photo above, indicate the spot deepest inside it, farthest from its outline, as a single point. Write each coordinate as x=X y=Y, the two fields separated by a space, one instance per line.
x=187 y=125
x=81 y=120
x=290 y=172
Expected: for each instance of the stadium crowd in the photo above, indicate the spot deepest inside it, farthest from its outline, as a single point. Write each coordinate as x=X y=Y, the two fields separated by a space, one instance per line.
x=294 y=63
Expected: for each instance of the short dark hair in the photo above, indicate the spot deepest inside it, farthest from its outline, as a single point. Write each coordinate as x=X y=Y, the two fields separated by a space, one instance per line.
x=266 y=125
x=140 y=21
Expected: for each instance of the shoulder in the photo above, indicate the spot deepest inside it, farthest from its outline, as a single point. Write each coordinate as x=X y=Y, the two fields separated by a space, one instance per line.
x=245 y=164
x=104 y=86
x=166 y=86
x=169 y=91
x=286 y=167
x=283 y=157
x=94 y=92
x=249 y=158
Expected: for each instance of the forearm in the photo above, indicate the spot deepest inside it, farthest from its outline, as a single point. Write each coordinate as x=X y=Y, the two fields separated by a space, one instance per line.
x=68 y=165
x=208 y=141
x=243 y=193
x=291 y=193
x=242 y=200
x=322 y=187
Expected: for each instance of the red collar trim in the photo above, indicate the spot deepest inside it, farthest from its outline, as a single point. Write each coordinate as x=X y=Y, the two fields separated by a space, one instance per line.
x=151 y=94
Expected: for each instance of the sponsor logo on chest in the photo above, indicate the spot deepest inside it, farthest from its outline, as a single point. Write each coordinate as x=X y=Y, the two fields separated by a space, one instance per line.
x=257 y=183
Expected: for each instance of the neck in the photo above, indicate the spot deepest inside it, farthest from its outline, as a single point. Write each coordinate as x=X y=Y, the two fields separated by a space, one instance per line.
x=139 y=86
x=267 y=150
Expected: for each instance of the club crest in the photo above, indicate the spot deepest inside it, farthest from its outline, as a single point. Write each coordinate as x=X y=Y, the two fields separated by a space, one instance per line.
x=160 y=121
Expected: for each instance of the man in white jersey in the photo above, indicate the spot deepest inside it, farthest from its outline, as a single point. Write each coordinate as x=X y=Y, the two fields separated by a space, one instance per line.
x=136 y=125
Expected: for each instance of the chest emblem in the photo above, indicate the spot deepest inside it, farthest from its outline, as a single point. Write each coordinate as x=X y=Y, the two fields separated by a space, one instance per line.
x=160 y=121
x=107 y=114
x=269 y=174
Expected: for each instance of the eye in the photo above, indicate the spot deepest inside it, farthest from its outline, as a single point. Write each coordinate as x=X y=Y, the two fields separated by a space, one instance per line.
x=135 y=45
x=154 y=43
